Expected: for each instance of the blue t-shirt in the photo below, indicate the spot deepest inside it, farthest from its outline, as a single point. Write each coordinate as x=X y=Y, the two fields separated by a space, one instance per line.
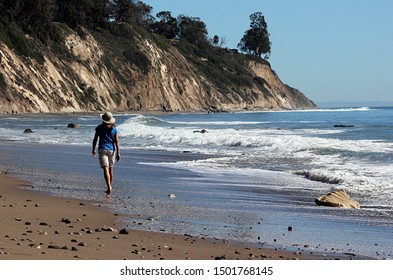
x=106 y=137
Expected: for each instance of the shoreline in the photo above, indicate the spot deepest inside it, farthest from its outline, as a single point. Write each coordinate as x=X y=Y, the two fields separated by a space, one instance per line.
x=36 y=226
x=152 y=112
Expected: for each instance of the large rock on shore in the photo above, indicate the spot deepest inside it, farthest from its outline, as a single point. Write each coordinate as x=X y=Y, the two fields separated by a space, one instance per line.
x=338 y=198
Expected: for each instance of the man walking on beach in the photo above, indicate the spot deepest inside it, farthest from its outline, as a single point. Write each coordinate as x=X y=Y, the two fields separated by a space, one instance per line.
x=108 y=145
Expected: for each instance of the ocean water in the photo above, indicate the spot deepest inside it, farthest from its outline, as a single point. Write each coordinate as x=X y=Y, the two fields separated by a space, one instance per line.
x=245 y=176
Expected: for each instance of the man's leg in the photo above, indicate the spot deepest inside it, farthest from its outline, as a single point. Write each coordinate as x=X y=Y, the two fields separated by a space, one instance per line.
x=111 y=174
x=108 y=178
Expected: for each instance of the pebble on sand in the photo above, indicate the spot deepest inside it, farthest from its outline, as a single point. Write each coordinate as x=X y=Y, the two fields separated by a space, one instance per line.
x=123 y=231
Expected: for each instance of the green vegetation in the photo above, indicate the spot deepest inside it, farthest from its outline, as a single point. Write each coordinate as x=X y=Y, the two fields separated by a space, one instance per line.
x=15 y=39
x=59 y=32
x=89 y=95
x=120 y=39
x=138 y=58
x=167 y=25
x=63 y=86
x=48 y=21
x=256 y=39
x=120 y=26
x=225 y=69
x=116 y=97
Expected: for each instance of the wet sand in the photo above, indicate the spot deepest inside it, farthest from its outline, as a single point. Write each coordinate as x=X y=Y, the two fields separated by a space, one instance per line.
x=36 y=226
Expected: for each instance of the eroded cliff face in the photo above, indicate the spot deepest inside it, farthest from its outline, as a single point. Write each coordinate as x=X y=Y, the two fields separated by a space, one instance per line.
x=82 y=81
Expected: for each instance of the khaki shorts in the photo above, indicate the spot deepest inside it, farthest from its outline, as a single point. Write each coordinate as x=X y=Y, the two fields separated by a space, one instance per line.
x=106 y=158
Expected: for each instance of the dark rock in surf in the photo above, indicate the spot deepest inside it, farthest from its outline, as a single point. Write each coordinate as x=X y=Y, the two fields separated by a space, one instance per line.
x=73 y=125
x=28 y=130
x=200 y=131
x=343 y=125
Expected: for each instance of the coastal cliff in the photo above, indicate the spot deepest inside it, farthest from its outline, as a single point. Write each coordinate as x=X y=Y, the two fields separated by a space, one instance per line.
x=90 y=70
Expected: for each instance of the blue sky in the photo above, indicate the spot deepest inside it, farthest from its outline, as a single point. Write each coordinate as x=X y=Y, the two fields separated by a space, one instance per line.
x=331 y=50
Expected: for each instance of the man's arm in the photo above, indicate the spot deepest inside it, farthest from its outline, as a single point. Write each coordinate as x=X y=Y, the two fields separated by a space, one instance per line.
x=93 y=152
x=117 y=147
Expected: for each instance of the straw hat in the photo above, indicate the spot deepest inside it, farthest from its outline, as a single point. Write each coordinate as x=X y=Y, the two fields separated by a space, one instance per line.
x=108 y=118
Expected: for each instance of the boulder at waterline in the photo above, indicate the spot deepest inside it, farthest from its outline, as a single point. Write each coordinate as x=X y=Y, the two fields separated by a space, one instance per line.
x=339 y=199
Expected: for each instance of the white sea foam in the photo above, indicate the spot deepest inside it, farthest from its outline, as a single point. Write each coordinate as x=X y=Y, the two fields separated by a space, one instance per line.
x=218 y=123
x=9 y=134
x=342 y=109
x=349 y=109
x=237 y=141
x=332 y=161
x=303 y=144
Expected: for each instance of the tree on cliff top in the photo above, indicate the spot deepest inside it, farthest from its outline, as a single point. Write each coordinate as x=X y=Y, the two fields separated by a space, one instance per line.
x=167 y=26
x=33 y=17
x=256 y=39
x=193 y=30
x=131 y=11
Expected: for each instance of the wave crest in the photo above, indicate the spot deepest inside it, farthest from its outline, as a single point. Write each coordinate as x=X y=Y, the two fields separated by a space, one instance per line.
x=319 y=177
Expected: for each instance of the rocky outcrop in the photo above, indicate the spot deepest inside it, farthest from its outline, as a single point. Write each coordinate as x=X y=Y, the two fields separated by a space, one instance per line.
x=338 y=198
x=87 y=78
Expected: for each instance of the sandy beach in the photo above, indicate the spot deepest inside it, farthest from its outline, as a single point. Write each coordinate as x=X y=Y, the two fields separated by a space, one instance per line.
x=35 y=226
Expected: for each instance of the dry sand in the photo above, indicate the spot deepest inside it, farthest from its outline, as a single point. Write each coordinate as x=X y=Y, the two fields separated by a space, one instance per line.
x=42 y=227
